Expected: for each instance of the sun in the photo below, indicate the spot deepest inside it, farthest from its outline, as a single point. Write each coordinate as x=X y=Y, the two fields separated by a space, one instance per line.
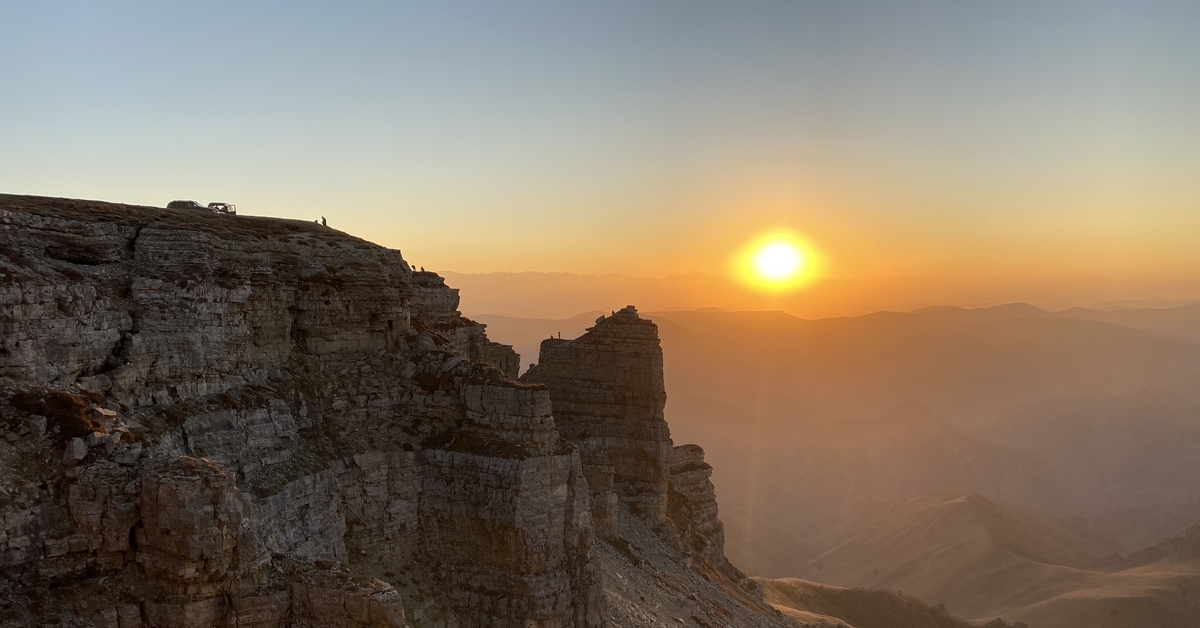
x=776 y=261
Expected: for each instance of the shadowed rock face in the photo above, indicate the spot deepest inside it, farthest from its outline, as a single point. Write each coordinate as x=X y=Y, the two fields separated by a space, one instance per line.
x=608 y=395
x=280 y=409
x=692 y=507
x=209 y=421
x=693 y=503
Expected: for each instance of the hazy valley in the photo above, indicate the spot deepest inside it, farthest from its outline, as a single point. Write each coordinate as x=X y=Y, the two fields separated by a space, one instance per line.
x=1001 y=461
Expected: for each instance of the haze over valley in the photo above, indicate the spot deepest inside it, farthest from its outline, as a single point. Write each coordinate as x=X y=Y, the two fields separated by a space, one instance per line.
x=933 y=451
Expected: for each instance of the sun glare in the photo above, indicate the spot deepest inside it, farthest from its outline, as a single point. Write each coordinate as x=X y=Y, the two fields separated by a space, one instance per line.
x=776 y=261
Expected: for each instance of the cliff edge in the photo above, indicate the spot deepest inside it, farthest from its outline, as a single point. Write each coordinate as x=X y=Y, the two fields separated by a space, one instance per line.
x=238 y=421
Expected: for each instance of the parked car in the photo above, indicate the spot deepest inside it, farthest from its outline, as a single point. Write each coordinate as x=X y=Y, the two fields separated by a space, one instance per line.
x=185 y=205
x=225 y=209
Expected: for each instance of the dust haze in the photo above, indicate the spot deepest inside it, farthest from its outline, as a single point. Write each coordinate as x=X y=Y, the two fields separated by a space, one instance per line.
x=1005 y=461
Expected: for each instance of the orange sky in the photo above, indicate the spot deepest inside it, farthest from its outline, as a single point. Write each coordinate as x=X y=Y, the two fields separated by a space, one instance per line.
x=929 y=152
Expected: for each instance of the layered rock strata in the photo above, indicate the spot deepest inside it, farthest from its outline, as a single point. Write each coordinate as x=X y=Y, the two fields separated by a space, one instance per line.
x=232 y=421
x=277 y=394
x=608 y=395
x=692 y=508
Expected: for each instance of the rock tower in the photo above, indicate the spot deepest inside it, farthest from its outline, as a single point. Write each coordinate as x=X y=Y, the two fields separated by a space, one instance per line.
x=607 y=391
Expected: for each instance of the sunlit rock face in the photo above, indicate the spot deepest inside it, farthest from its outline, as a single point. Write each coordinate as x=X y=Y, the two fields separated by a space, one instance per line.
x=607 y=392
x=260 y=422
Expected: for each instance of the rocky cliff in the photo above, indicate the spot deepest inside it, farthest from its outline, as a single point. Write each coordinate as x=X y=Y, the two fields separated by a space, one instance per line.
x=237 y=421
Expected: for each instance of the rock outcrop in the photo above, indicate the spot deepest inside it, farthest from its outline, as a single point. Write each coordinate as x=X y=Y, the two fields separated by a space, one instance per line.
x=234 y=421
x=304 y=396
x=607 y=391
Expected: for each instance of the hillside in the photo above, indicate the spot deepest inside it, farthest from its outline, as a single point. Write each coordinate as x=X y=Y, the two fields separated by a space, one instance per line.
x=853 y=473
x=1130 y=457
x=841 y=607
x=960 y=550
x=985 y=560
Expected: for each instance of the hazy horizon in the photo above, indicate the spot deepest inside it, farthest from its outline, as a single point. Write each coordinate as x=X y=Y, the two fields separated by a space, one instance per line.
x=1003 y=145
x=563 y=295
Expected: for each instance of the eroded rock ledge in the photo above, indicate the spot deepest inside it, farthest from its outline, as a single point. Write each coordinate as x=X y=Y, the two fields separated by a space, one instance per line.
x=220 y=421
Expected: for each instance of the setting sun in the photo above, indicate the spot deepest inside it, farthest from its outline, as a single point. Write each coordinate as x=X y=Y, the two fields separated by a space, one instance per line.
x=775 y=261
x=778 y=261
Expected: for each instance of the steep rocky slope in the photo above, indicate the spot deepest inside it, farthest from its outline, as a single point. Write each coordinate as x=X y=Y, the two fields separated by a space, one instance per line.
x=219 y=421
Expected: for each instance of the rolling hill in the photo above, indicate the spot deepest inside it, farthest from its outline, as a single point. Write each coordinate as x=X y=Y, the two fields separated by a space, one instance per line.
x=966 y=551
x=838 y=607
x=1129 y=457
x=984 y=560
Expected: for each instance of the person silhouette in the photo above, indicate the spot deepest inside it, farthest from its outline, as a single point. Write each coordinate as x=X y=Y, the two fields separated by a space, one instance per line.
x=323 y=224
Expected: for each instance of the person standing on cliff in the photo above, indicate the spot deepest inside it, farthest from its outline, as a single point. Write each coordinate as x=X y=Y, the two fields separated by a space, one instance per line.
x=323 y=222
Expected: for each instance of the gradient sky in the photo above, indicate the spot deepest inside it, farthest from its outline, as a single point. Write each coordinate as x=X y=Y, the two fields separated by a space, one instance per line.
x=980 y=139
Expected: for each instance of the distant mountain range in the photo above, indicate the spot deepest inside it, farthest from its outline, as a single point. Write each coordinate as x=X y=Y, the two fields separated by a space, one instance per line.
x=1039 y=441
x=562 y=295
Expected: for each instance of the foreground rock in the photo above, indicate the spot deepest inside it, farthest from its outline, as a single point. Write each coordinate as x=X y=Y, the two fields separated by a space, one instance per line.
x=245 y=422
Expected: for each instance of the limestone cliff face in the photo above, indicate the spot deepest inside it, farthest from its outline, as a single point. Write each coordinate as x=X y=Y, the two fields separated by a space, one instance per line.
x=235 y=421
x=608 y=395
x=281 y=398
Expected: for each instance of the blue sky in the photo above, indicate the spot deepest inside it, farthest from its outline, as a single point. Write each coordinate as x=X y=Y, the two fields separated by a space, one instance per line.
x=647 y=138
